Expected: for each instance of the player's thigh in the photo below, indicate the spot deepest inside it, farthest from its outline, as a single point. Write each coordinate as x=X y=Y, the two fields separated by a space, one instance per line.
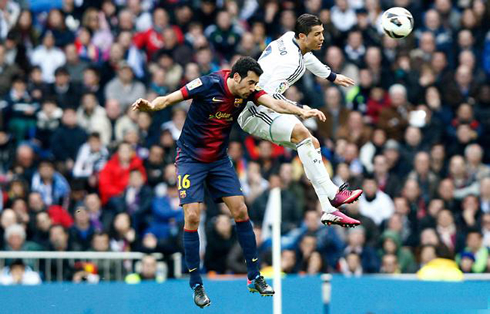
x=222 y=180
x=256 y=122
x=191 y=176
x=282 y=128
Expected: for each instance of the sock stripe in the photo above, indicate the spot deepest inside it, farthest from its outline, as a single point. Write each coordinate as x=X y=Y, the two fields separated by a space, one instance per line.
x=190 y=230
x=242 y=220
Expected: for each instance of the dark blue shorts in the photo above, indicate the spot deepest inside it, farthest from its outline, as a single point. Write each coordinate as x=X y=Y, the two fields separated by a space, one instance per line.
x=219 y=176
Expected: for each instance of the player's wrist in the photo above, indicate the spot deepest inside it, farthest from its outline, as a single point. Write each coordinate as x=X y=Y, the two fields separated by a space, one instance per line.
x=332 y=76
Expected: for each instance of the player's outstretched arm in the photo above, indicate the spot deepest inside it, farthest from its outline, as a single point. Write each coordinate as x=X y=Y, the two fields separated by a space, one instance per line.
x=322 y=70
x=158 y=103
x=282 y=106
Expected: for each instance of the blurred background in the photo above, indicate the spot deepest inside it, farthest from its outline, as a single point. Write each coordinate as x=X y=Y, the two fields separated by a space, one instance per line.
x=88 y=188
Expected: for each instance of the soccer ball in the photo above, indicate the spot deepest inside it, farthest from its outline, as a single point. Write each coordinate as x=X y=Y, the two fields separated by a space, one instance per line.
x=397 y=22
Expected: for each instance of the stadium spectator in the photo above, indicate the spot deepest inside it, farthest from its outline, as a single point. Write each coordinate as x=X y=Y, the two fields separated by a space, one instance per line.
x=149 y=272
x=122 y=235
x=389 y=264
x=374 y=203
x=356 y=244
x=17 y=273
x=15 y=239
x=92 y=117
x=91 y=158
x=67 y=139
x=124 y=88
x=48 y=57
x=48 y=120
x=474 y=250
x=9 y=72
x=19 y=111
x=114 y=177
x=81 y=232
x=51 y=184
x=392 y=245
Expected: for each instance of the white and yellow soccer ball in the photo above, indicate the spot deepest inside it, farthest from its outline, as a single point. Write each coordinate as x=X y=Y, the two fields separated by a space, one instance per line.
x=397 y=22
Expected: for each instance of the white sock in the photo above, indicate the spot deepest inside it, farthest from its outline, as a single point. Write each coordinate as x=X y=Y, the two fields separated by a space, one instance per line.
x=317 y=174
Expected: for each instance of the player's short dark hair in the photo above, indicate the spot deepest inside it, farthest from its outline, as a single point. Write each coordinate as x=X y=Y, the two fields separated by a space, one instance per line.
x=304 y=23
x=245 y=64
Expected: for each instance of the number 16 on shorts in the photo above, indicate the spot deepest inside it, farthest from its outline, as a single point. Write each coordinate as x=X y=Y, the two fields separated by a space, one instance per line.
x=183 y=183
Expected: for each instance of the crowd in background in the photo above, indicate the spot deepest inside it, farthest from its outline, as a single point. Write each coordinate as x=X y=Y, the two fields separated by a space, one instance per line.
x=81 y=171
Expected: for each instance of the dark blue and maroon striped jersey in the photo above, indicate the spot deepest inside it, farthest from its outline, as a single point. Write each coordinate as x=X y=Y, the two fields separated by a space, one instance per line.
x=213 y=111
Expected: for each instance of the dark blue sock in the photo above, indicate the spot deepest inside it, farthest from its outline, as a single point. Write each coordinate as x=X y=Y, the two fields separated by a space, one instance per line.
x=246 y=237
x=191 y=250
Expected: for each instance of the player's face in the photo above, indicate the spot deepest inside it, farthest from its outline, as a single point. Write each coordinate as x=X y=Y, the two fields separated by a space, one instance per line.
x=246 y=86
x=314 y=39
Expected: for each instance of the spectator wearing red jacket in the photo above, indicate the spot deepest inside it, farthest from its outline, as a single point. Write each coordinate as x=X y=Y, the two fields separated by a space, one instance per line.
x=114 y=177
x=152 y=39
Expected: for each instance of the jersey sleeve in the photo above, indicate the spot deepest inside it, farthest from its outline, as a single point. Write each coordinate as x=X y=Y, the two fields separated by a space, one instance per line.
x=256 y=95
x=318 y=68
x=196 y=87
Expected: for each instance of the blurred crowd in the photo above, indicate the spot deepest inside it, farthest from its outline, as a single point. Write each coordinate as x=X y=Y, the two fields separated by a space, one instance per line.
x=80 y=171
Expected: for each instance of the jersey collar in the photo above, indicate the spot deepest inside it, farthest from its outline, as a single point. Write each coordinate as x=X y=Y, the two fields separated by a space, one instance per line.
x=227 y=90
x=224 y=75
x=296 y=43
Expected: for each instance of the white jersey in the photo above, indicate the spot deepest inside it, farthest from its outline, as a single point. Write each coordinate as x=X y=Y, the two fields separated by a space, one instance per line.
x=284 y=64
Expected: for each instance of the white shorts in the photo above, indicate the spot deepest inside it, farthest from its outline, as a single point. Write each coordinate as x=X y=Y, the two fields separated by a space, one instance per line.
x=267 y=124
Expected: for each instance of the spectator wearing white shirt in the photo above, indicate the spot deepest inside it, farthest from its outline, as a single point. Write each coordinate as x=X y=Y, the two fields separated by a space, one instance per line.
x=92 y=117
x=48 y=57
x=19 y=274
x=343 y=17
x=91 y=157
x=374 y=203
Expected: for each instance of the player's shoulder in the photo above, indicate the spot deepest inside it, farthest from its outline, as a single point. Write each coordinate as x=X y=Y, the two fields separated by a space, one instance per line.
x=206 y=81
x=285 y=46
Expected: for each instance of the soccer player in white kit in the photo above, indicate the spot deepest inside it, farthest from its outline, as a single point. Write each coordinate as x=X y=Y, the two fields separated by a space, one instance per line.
x=284 y=62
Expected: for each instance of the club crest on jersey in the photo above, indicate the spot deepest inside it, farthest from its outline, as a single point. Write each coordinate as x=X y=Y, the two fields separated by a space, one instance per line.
x=282 y=87
x=238 y=101
x=183 y=194
x=194 y=84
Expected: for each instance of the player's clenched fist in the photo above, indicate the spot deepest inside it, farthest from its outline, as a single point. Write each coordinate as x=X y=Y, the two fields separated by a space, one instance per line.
x=142 y=105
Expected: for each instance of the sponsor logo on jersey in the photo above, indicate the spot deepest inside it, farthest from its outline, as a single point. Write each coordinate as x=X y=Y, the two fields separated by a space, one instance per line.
x=194 y=84
x=221 y=116
x=282 y=87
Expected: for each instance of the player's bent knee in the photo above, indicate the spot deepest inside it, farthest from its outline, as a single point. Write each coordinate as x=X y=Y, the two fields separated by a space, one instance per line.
x=192 y=217
x=316 y=143
x=240 y=212
x=300 y=133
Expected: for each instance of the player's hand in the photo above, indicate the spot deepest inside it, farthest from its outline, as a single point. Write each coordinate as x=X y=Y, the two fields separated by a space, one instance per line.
x=313 y=113
x=344 y=81
x=142 y=105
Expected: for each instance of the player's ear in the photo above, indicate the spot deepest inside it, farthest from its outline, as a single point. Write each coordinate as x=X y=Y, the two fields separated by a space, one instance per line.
x=236 y=77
